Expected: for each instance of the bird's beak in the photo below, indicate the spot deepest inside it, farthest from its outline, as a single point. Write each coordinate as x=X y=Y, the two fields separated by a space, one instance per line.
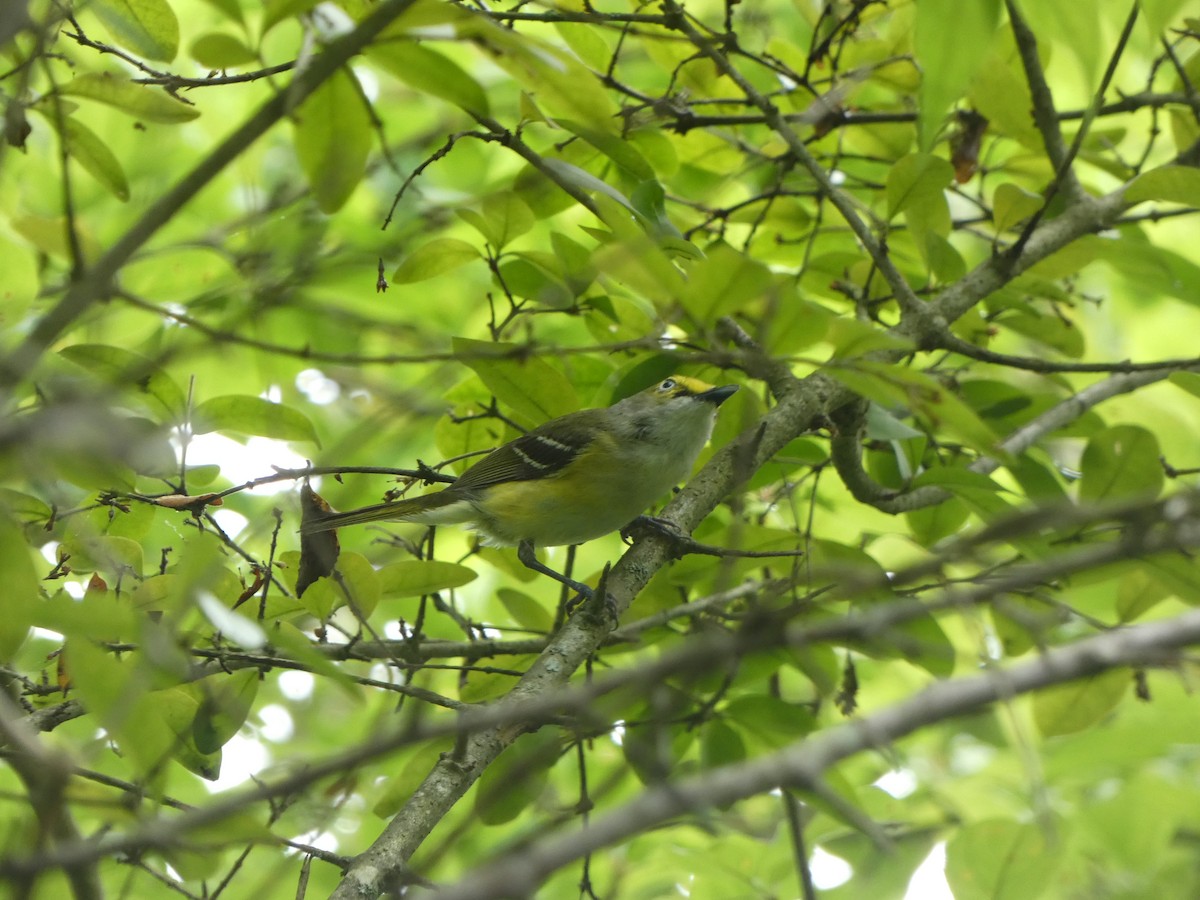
x=718 y=395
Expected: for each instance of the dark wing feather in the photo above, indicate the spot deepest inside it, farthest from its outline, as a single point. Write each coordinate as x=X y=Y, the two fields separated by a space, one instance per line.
x=541 y=453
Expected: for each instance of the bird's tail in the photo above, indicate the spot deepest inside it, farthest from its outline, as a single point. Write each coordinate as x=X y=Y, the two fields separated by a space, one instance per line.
x=430 y=509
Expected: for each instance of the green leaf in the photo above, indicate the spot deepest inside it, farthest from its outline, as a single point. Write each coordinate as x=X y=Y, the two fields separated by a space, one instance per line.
x=891 y=385
x=138 y=100
x=275 y=11
x=355 y=583
x=515 y=781
x=615 y=147
x=526 y=611
x=1122 y=461
x=437 y=257
x=481 y=686
x=1078 y=705
x=123 y=368
x=561 y=85
x=231 y=9
x=228 y=700
x=504 y=218
x=952 y=41
x=720 y=745
x=582 y=180
x=410 y=770
x=918 y=181
x=1177 y=574
x=724 y=281
x=431 y=72
x=218 y=50
x=1001 y=860
x=287 y=636
x=524 y=276
x=1174 y=184
x=253 y=415
x=531 y=387
x=415 y=578
x=147 y=27
x=1189 y=381
x=772 y=722
x=851 y=338
x=945 y=262
x=21 y=589
x=89 y=150
x=104 y=553
x=933 y=523
x=1137 y=592
x=1049 y=330
x=333 y=140
x=1012 y=204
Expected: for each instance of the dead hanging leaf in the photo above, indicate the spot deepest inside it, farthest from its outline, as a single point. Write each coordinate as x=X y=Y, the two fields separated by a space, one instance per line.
x=253 y=588
x=319 y=550
x=966 y=143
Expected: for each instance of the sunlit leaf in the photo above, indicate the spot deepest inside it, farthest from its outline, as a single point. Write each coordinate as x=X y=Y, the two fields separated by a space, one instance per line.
x=1012 y=204
x=1076 y=705
x=1001 y=860
x=218 y=50
x=138 y=100
x=89 y=150
x=414 y=578
x=124 y=368
x=943 y=29
x=21 y=589
x=431 y=72
x=147 y=27
x=253 y=415
x=437 y=257
x=533 y=388
x=1121 y=461
x=333 y=138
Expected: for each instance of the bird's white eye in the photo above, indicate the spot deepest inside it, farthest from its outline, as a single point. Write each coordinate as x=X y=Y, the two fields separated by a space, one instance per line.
x=668 y=385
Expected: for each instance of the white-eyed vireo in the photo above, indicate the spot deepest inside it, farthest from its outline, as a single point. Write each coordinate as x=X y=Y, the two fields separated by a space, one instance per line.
x=575 y=478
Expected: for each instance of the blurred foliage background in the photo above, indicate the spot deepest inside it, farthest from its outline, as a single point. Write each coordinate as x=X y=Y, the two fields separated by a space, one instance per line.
x=948 y=252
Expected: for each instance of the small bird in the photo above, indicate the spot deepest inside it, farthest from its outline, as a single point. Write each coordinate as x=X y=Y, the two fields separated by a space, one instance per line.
x=570 y=480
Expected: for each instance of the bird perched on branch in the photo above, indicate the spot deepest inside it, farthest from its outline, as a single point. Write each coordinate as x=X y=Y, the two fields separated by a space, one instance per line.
x=572 y=479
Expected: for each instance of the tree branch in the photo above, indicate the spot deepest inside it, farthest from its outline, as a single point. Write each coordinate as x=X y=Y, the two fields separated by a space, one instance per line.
x=801 y=765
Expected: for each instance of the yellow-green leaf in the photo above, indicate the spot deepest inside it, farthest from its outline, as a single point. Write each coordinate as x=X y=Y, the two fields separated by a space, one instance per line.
x=951 y=40
x=147 y=27
x=218 y=50
x=1076 y=705
x=333 y=139
x=1002 y=860
x=1012 y=204
x=21 y=595
x=414 y=578
x=139 y=100
x=125 y=369
x=431 y=72
x=89 y=150
x=227 y=702
x=917 y=180
x=1121 y=461
x=531 y=387
x=253 y=415
x=437 y=257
